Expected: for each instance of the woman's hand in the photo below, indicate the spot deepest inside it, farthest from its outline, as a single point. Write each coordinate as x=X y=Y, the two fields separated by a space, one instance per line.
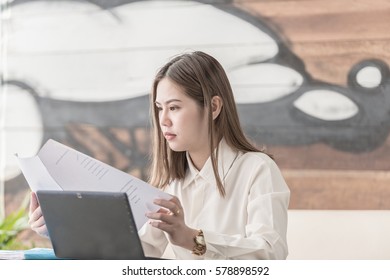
x=170 y=218
x=36 y=220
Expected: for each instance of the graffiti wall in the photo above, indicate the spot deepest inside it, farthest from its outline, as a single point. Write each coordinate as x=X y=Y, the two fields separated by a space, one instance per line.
x=311 y=80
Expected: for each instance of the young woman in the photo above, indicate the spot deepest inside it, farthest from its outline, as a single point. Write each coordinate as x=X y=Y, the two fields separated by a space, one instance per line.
x=229 y=199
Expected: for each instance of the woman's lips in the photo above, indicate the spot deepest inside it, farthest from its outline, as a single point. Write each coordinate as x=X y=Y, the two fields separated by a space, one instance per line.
x=169 y=136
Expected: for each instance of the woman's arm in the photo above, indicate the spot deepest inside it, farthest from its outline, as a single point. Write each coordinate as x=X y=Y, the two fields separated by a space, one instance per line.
x=265 y=218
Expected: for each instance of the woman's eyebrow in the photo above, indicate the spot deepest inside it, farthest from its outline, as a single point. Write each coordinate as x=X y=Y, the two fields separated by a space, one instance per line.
x=168 y=101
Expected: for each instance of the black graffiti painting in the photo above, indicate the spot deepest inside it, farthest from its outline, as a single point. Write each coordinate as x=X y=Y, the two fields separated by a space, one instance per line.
x=278 y=100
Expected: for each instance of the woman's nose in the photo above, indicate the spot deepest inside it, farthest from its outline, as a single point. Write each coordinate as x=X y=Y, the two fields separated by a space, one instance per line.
x=164 y=118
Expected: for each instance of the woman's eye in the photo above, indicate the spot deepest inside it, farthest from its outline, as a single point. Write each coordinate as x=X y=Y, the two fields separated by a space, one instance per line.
x=173 y=108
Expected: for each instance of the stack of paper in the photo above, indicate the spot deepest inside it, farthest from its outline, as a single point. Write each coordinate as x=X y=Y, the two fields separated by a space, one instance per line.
x=58 y=167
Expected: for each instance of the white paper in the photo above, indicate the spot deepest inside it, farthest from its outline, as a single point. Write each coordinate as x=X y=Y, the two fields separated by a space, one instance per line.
x=58 y=167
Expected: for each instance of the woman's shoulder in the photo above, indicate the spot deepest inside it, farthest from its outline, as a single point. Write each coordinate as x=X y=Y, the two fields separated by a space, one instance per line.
x=258 y=162
x=262 y=168
x=257 y=158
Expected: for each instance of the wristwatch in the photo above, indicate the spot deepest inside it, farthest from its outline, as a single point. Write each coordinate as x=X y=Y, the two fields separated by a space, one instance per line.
x=200 y=244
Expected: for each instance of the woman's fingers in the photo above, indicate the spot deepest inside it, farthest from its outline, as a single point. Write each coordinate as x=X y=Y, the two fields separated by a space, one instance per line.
x=34 y=216
x=163 y=226
x=36 y=219
x=164 y=211
x=35 y=212
x=163 y=217
x=33 y=203
x=37 y=223
x=176 y=201
x=169 y=217
x=42 y=230
x=173 y=206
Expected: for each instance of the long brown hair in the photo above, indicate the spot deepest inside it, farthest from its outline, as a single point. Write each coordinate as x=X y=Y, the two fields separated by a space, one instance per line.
x=201 y=77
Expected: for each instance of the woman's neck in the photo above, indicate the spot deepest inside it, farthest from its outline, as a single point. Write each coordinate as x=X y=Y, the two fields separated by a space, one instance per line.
x=199 y=159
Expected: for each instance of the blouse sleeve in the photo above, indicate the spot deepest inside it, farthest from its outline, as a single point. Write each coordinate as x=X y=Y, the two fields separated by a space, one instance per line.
x=153 y=241
x=266 y=227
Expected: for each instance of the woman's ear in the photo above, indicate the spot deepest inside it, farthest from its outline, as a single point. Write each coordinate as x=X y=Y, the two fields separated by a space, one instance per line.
x=216 y=106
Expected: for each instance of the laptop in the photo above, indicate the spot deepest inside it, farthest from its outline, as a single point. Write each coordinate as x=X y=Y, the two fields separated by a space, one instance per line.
x=91 y=225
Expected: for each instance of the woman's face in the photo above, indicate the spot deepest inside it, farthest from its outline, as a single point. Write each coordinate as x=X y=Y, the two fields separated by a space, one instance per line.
x=183 y=123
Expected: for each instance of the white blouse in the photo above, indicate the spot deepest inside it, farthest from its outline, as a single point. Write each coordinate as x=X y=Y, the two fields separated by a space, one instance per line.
x=249 y=223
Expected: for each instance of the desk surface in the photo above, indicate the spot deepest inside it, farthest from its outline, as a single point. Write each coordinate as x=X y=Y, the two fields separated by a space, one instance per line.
x=31 y=254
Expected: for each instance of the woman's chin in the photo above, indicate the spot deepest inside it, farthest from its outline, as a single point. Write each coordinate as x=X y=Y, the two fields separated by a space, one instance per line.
x=175 y=148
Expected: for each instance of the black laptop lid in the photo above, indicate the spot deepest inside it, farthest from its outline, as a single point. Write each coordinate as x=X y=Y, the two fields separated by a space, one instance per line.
x=90 y=225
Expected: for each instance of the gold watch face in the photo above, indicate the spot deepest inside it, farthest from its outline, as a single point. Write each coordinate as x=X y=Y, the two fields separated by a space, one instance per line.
x=200 y=240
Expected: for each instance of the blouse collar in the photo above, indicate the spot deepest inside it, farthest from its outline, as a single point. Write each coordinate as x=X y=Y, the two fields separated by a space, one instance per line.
x=226 y=157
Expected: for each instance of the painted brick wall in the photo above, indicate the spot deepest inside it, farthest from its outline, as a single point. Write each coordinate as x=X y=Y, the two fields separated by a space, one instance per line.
x=311 y=80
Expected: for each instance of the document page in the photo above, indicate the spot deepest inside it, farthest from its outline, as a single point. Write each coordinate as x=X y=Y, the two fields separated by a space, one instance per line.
x=58 y=167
